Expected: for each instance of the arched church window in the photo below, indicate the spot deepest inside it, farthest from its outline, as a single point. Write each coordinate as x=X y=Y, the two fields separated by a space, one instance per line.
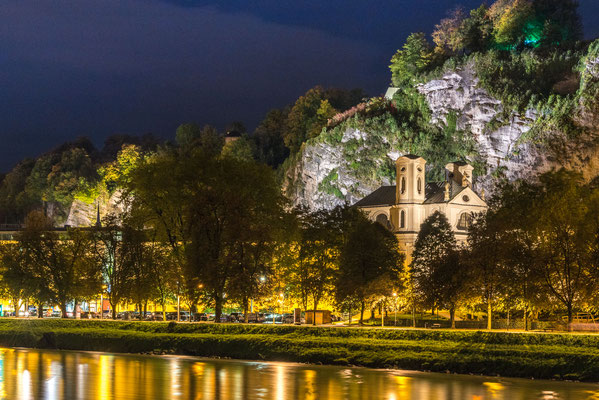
x=402 y=219
x=465 y=221
x=419 y=185
x=383 y=220
x=403 y=185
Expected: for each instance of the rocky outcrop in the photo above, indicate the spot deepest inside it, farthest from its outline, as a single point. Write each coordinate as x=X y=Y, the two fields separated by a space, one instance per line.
x=82 y=214
x=499 y=138
x=318 y=164
x=497 y=134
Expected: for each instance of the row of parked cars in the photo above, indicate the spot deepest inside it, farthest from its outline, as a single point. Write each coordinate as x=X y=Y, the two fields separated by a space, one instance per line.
x=185 y=316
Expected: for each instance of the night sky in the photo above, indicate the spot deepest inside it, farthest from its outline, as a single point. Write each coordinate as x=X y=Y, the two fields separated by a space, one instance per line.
x=97 y=67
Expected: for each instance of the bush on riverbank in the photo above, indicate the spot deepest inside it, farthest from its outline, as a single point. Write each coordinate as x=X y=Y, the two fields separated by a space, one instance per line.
x=559 y=356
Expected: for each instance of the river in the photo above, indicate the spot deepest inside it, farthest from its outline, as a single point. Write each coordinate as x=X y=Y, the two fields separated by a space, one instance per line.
x=47 y=374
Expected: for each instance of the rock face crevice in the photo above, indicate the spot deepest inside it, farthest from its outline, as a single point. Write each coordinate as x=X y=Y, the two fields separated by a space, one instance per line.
x=499 y=138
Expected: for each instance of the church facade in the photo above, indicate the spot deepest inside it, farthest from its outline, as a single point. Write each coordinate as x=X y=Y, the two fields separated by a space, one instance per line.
x=404 y=207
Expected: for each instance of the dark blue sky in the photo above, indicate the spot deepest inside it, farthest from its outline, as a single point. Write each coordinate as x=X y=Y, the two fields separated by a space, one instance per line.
x=97 y=67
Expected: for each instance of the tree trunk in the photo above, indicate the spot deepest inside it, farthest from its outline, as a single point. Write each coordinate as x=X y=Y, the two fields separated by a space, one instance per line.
x=40 y=310
x=113 y=307
x=246 y=317
x=570 y=319
x=163 y=310
x=63 y=308
x=362 y=313
x=349 y=317
x=452 y=316
x=218 y=308
x=314 y=316
x=489 y=315
x=140 y=311
x=526 y=318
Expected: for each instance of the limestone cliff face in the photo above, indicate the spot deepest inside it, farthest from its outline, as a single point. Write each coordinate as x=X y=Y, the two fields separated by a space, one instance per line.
x=498 y=137
x=477 y=112
x=82 y=214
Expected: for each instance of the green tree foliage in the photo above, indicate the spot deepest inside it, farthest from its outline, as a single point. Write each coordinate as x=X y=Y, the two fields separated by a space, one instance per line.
x=61 y=265
x=268 y=137
x=307 y=117
x=240 y=149
x=112 y=257
x=188 y=134
x=208 y=209
x=370 y=263
x=312 y=259
x=434 y=245
x=414 y=58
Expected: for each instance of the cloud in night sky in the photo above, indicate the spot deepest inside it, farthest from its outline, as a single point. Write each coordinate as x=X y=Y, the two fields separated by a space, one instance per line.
x=98 y=67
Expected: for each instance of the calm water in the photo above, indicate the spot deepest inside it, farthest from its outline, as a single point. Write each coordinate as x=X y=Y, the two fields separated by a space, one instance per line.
x=41 y=374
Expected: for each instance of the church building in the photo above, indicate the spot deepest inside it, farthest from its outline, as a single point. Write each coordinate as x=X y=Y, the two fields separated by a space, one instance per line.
x=404 y=207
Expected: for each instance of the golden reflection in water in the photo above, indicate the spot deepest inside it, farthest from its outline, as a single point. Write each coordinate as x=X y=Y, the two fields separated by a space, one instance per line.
x=33 y=374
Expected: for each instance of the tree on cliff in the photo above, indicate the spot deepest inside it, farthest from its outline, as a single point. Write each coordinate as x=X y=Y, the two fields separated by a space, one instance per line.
x=415 y=57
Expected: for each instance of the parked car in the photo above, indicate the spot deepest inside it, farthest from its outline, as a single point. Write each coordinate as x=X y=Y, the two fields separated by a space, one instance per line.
x=287 y=318
x=236 y=317
x=256 y=317
x=198 y=317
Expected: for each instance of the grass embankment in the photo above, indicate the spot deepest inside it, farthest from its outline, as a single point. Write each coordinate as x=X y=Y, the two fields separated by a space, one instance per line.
x=548 y=356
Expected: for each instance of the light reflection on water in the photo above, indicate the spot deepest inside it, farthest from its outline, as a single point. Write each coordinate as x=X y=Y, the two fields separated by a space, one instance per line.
x=52 y=375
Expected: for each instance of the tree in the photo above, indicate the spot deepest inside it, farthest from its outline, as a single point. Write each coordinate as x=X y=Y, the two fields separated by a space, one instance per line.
x=415 y=57
x=563 y=233
x=433 y=246
x=235 y=221
x=447 y=33
x=18 y=281
x=241 y=149
x=62 y=262
x=268 y=137
x=112 y=258
x=304 y=120
x=314 y=255
x=207 y=209
x=485 y=262
x=510 y=18
x=370 y=262
x=511 y=214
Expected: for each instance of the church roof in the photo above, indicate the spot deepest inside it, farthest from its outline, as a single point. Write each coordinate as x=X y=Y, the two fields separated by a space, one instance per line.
x=383 y=196
x=434 y=192
x=411 y=156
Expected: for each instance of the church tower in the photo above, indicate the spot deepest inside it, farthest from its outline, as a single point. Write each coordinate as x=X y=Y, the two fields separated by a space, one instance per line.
x=409 y=192
x=410 y=180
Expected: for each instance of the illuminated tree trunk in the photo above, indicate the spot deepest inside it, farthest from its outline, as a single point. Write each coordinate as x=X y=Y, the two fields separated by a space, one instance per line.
x=489 y=314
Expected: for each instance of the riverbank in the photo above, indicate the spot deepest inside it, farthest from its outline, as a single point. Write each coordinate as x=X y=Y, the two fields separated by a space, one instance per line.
x=525 y=355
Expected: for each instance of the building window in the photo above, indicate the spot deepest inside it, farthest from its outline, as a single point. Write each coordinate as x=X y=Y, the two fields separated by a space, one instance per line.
x=465 y=221
x=419 y=185
x=402 y=219
x=403 y=185
x=383 y=220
